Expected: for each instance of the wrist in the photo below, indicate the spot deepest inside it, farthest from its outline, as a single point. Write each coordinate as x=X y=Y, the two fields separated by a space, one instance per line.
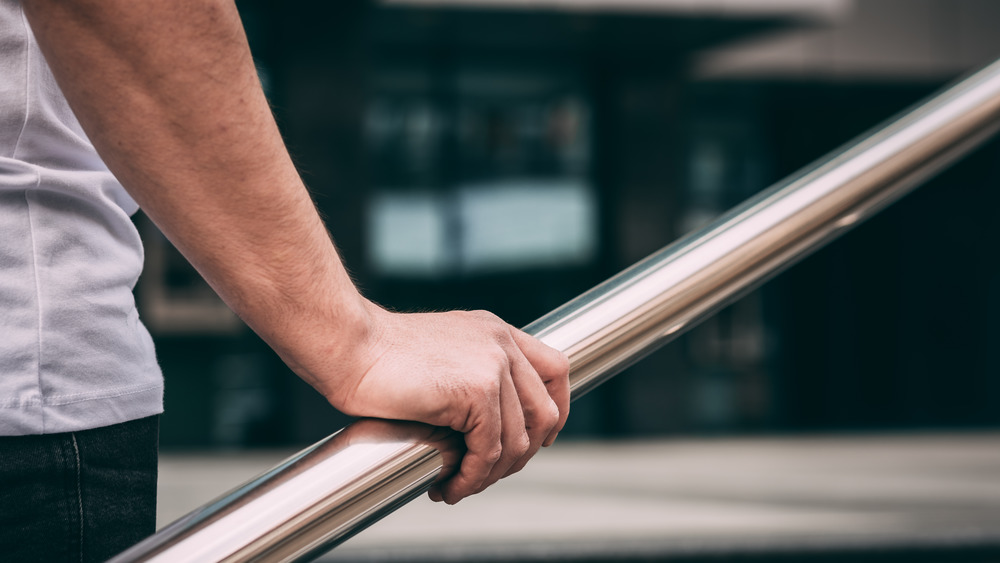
x=325 y=343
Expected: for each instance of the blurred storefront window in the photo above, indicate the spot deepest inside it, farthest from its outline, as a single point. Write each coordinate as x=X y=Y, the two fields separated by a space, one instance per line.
x=490 y=175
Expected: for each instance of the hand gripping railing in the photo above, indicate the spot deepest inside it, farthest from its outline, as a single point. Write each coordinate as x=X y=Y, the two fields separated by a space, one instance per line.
x=325 y=494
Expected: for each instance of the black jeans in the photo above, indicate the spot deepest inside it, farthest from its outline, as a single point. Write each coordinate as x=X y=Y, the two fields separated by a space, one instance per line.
x=78 y=496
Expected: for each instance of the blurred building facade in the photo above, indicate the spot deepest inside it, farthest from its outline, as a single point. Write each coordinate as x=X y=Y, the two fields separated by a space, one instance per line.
x=509 y=155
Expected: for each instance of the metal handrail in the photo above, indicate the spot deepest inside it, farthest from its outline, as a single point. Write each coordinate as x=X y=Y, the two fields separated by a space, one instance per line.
x=318 y=498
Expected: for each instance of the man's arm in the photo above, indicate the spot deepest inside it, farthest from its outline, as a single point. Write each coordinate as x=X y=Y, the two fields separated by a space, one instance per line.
x=168 y=94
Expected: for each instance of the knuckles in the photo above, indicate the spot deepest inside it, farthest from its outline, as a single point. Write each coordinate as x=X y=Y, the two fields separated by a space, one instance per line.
x=562 y=365
x=543 y=418
x=498 y=358
x=485 y=315
x=520 y=446
x=493 y=456
x=549 y=416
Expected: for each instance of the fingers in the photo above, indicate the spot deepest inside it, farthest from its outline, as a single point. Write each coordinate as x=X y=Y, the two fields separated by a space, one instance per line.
x=552 y=369
x=516 y=421
x=452 y=447
x=545 y=359
x=483 y=431
x=516 y=442
x=541 y=415
x=495 y=442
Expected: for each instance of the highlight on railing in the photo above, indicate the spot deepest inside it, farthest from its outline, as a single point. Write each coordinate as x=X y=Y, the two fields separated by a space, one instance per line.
x=318 y=498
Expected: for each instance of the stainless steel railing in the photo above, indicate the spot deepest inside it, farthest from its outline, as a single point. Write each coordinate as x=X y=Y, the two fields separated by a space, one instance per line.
x=323 y=495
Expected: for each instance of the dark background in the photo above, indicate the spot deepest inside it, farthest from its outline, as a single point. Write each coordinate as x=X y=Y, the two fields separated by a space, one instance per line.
x=894 y=326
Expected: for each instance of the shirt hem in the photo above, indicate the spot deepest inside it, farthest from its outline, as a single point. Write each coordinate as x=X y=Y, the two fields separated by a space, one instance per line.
x=80 y=415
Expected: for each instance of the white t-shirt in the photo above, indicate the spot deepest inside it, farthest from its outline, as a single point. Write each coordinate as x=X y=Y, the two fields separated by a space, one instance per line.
x=73 y=354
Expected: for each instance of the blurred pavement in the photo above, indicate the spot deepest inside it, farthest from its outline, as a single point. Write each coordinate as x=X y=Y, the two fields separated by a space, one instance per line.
x=664 y=497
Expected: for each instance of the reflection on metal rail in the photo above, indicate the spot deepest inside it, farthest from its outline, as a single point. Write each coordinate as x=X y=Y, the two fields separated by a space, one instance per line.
x=320 y=497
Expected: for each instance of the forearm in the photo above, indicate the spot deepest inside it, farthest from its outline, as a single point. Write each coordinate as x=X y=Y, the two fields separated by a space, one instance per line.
x=168 y=93
x=170 y=97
